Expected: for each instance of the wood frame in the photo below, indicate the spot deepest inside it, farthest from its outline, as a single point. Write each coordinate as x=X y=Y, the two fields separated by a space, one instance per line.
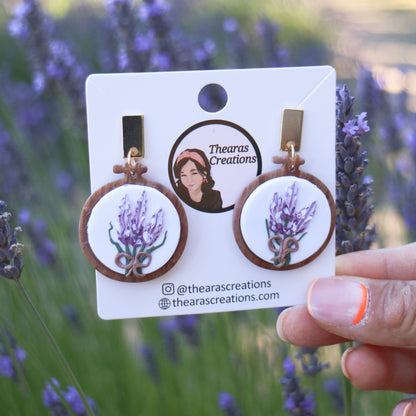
x=133 y=175
x=290 y=168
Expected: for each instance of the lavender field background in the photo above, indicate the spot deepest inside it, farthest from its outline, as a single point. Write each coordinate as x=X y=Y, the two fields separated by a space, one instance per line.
x=219 y=364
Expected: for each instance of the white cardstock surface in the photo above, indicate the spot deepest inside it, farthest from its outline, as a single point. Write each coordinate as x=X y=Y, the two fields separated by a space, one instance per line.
x=213 y=275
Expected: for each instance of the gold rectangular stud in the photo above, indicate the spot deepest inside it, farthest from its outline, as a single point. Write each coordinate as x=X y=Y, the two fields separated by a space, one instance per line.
x=291 y=129
x=133 y=135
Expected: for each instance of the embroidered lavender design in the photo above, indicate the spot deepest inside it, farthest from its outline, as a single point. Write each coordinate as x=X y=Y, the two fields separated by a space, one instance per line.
x=137 y=235
x=287 y=225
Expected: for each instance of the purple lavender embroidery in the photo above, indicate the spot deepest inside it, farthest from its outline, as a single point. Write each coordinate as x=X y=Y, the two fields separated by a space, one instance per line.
x=136 y=235
x=287 y=224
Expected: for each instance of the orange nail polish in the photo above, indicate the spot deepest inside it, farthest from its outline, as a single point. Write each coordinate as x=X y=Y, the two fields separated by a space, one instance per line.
x=338 y=301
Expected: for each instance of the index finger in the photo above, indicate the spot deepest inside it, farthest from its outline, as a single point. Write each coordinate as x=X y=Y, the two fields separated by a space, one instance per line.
x=388 y=264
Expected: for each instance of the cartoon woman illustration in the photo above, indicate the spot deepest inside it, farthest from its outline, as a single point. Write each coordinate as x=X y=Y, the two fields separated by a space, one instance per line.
x=194 y=181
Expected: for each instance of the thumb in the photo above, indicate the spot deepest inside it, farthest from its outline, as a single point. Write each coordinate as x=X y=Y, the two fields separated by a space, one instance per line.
x=378 y=312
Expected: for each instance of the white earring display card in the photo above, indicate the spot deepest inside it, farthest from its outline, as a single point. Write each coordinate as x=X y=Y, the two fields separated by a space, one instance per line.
x=214 y=215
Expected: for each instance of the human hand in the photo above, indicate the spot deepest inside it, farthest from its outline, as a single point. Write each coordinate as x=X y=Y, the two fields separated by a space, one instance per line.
x=372 y=300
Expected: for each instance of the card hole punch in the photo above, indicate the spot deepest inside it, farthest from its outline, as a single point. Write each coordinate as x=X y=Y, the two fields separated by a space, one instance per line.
x=212 y=98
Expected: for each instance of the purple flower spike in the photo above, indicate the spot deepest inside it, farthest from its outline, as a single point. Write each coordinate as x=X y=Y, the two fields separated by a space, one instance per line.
x=353 y=190
x=11 y=262
x=303 y=218
x=137 y=222
x=296 y=400
x=50 y=396
x=52 y=60
x=124 y=220
x=284 y=220
x=58 y=402
x=153 y=228
x=154 y=9
x=134 y=232
x=12 y=355
x=6 y=366
x=227 y=403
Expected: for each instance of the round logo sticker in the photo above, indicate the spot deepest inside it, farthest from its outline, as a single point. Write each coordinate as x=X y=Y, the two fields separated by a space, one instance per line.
x=211 y=163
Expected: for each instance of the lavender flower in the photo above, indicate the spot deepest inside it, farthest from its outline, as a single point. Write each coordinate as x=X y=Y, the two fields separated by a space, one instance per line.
x=74 y=400
x=334 y=388
x=396 y=129
x=284 y=220
x=36 y=117
x=161 y=61
x=137 y=236
x=11 y=262
x=132 y=56
x=64 y=181
x=353 y=189
x=138 y=221
x=10 y=177
x=51 y=398
x=230 y=25
x=390 y=131
x=168 y=328
x=59 y=400
x=11 y=355
x=165 y=55
x=53 y=62
x=228 y=405
x=204 y=54
x=369 y=94
x=387 y=111
x=310 y=361
x=189 y=326
x=133 y=231
x=71 y=313
x=154 y=9
x=37 y=230
x=125 y=222
x=276 y=55
x=297 y=402
x=153 y=228
x=148 y=353
x=236 y=43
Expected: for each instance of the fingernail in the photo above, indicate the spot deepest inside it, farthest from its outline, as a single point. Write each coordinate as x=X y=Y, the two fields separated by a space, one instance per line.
x=403 y=409
x=408 y=409
x=279 y=325
x=337 y=301
x=344 y=359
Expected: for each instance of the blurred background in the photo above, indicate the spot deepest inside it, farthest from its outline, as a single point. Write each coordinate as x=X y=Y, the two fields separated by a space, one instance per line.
x=231 y=363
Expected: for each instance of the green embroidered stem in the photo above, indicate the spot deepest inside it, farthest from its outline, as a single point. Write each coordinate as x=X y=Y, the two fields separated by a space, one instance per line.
x=55 y=347
x=118 y=247
x=268 y=229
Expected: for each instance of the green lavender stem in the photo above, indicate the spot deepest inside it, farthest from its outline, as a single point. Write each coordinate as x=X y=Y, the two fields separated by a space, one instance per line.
x=55 y=347
x=347 y=384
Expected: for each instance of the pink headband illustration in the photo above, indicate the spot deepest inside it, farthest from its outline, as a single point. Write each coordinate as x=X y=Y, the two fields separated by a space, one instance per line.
x=186 y=154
